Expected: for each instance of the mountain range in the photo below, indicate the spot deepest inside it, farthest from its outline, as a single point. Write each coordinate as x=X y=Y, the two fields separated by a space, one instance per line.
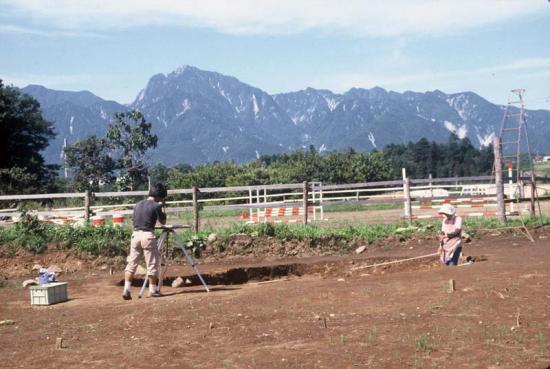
x=201 y=116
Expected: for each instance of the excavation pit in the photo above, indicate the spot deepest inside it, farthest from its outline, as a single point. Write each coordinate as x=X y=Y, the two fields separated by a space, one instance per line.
x=345 y=267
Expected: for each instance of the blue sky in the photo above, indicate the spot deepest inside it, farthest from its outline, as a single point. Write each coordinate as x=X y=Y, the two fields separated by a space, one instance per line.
x=113 y=47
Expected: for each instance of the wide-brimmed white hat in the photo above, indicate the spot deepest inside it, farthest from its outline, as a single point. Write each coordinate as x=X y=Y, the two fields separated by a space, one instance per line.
x=447 y=209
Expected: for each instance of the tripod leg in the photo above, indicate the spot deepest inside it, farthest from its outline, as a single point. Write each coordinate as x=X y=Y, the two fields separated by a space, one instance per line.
x=193 y=264
x=163 y=252
x=145 y=279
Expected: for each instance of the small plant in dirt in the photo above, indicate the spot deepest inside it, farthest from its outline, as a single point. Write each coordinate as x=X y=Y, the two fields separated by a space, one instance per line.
x=194 y=242
x=519 y=338
x=422 y=343
x=433 y=307
x=10 y=284
x=195 y=245
x=543 y=344
x=371 y=336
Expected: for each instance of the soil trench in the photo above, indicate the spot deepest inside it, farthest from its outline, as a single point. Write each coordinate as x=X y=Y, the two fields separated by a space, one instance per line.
x=242 y=275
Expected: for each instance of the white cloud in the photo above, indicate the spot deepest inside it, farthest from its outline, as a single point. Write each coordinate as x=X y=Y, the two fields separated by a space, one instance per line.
x=10 y=28
x=357 y=17
x=521 y=64
x=528 y=67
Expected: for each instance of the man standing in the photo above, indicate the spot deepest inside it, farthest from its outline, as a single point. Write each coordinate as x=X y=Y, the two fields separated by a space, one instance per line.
x=144 y=242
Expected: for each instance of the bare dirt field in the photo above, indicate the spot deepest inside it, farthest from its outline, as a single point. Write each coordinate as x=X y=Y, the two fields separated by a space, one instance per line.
x=310 y=312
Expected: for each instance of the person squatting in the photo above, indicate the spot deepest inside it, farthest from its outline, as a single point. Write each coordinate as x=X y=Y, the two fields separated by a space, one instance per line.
x=450 y=236
x=144 y=243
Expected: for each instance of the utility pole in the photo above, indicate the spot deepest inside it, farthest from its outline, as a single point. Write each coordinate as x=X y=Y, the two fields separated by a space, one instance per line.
x=501 y=206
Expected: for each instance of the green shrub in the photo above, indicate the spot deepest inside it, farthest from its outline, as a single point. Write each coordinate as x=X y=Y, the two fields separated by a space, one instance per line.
x=33 y=235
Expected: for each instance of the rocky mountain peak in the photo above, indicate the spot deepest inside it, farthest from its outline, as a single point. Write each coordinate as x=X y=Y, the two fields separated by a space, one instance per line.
x=201 y=116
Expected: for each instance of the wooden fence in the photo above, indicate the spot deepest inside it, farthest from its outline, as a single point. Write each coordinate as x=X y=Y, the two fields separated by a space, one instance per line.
x=264 y=203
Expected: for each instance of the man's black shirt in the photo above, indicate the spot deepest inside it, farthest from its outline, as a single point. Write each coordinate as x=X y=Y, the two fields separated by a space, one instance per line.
x=146 y=214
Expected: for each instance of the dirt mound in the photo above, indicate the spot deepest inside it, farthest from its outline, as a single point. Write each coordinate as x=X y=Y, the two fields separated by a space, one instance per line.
x=19 y=263
x=239 y=247
x=244 y=245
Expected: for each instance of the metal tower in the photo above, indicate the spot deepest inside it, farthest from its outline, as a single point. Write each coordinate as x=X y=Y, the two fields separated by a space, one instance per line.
x=516 y=151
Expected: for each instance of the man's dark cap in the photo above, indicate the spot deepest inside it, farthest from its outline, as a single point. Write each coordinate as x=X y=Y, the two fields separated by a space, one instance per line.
x=158 y=190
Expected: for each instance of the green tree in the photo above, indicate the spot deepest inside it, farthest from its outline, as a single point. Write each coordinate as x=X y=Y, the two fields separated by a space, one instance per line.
x=207 y=175
x=90 y=163
x=458 y=157
x=24 y=133
x=130 y=137
x=158 y=173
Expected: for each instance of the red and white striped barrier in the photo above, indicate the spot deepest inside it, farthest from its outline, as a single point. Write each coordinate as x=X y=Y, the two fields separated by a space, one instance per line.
x=459 y=200
x=427 y=207
x=466 y=215
x=270 y=215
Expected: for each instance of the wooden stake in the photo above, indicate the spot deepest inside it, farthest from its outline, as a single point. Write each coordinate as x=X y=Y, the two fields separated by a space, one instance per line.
x=59 y=343
x=452 y=286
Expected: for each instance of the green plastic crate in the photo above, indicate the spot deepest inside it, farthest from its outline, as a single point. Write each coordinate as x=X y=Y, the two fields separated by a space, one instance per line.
x=48 y=294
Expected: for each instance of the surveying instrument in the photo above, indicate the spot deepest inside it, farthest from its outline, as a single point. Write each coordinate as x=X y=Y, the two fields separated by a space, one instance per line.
x=162 y=244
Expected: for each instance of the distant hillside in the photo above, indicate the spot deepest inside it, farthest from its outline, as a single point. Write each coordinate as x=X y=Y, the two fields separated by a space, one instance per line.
x=202 y=116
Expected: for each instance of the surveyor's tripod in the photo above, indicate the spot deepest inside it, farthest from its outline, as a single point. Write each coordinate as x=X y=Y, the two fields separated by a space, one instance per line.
x=162 y=245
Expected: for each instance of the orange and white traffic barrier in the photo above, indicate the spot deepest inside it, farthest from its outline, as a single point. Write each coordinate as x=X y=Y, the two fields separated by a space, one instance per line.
x=98 y=221
x=118 y=220
x=277 y=215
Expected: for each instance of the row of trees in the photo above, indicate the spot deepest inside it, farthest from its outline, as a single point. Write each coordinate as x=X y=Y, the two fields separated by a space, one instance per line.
x=294 y=167
x=458 y=157
x=455 y=158
x=118 y=160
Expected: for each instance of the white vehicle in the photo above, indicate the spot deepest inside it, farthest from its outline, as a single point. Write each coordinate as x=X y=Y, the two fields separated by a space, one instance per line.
x=478 y=190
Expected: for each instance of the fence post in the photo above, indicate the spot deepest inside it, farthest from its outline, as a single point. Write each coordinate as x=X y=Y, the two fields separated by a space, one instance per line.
x=305 y=200
x=407 y=195
x=431 y=186
x=501 y=206
x=533 y=194
x=521 y=187
x=195 y=209
x=87 y=206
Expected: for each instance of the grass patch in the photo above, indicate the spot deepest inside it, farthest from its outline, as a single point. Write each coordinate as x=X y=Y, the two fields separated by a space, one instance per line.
x=286 y=232
x=422 y=343
x=34 y=235
x=542 y=169
x=360 y=207
x=188 y=215
x=543 y=344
